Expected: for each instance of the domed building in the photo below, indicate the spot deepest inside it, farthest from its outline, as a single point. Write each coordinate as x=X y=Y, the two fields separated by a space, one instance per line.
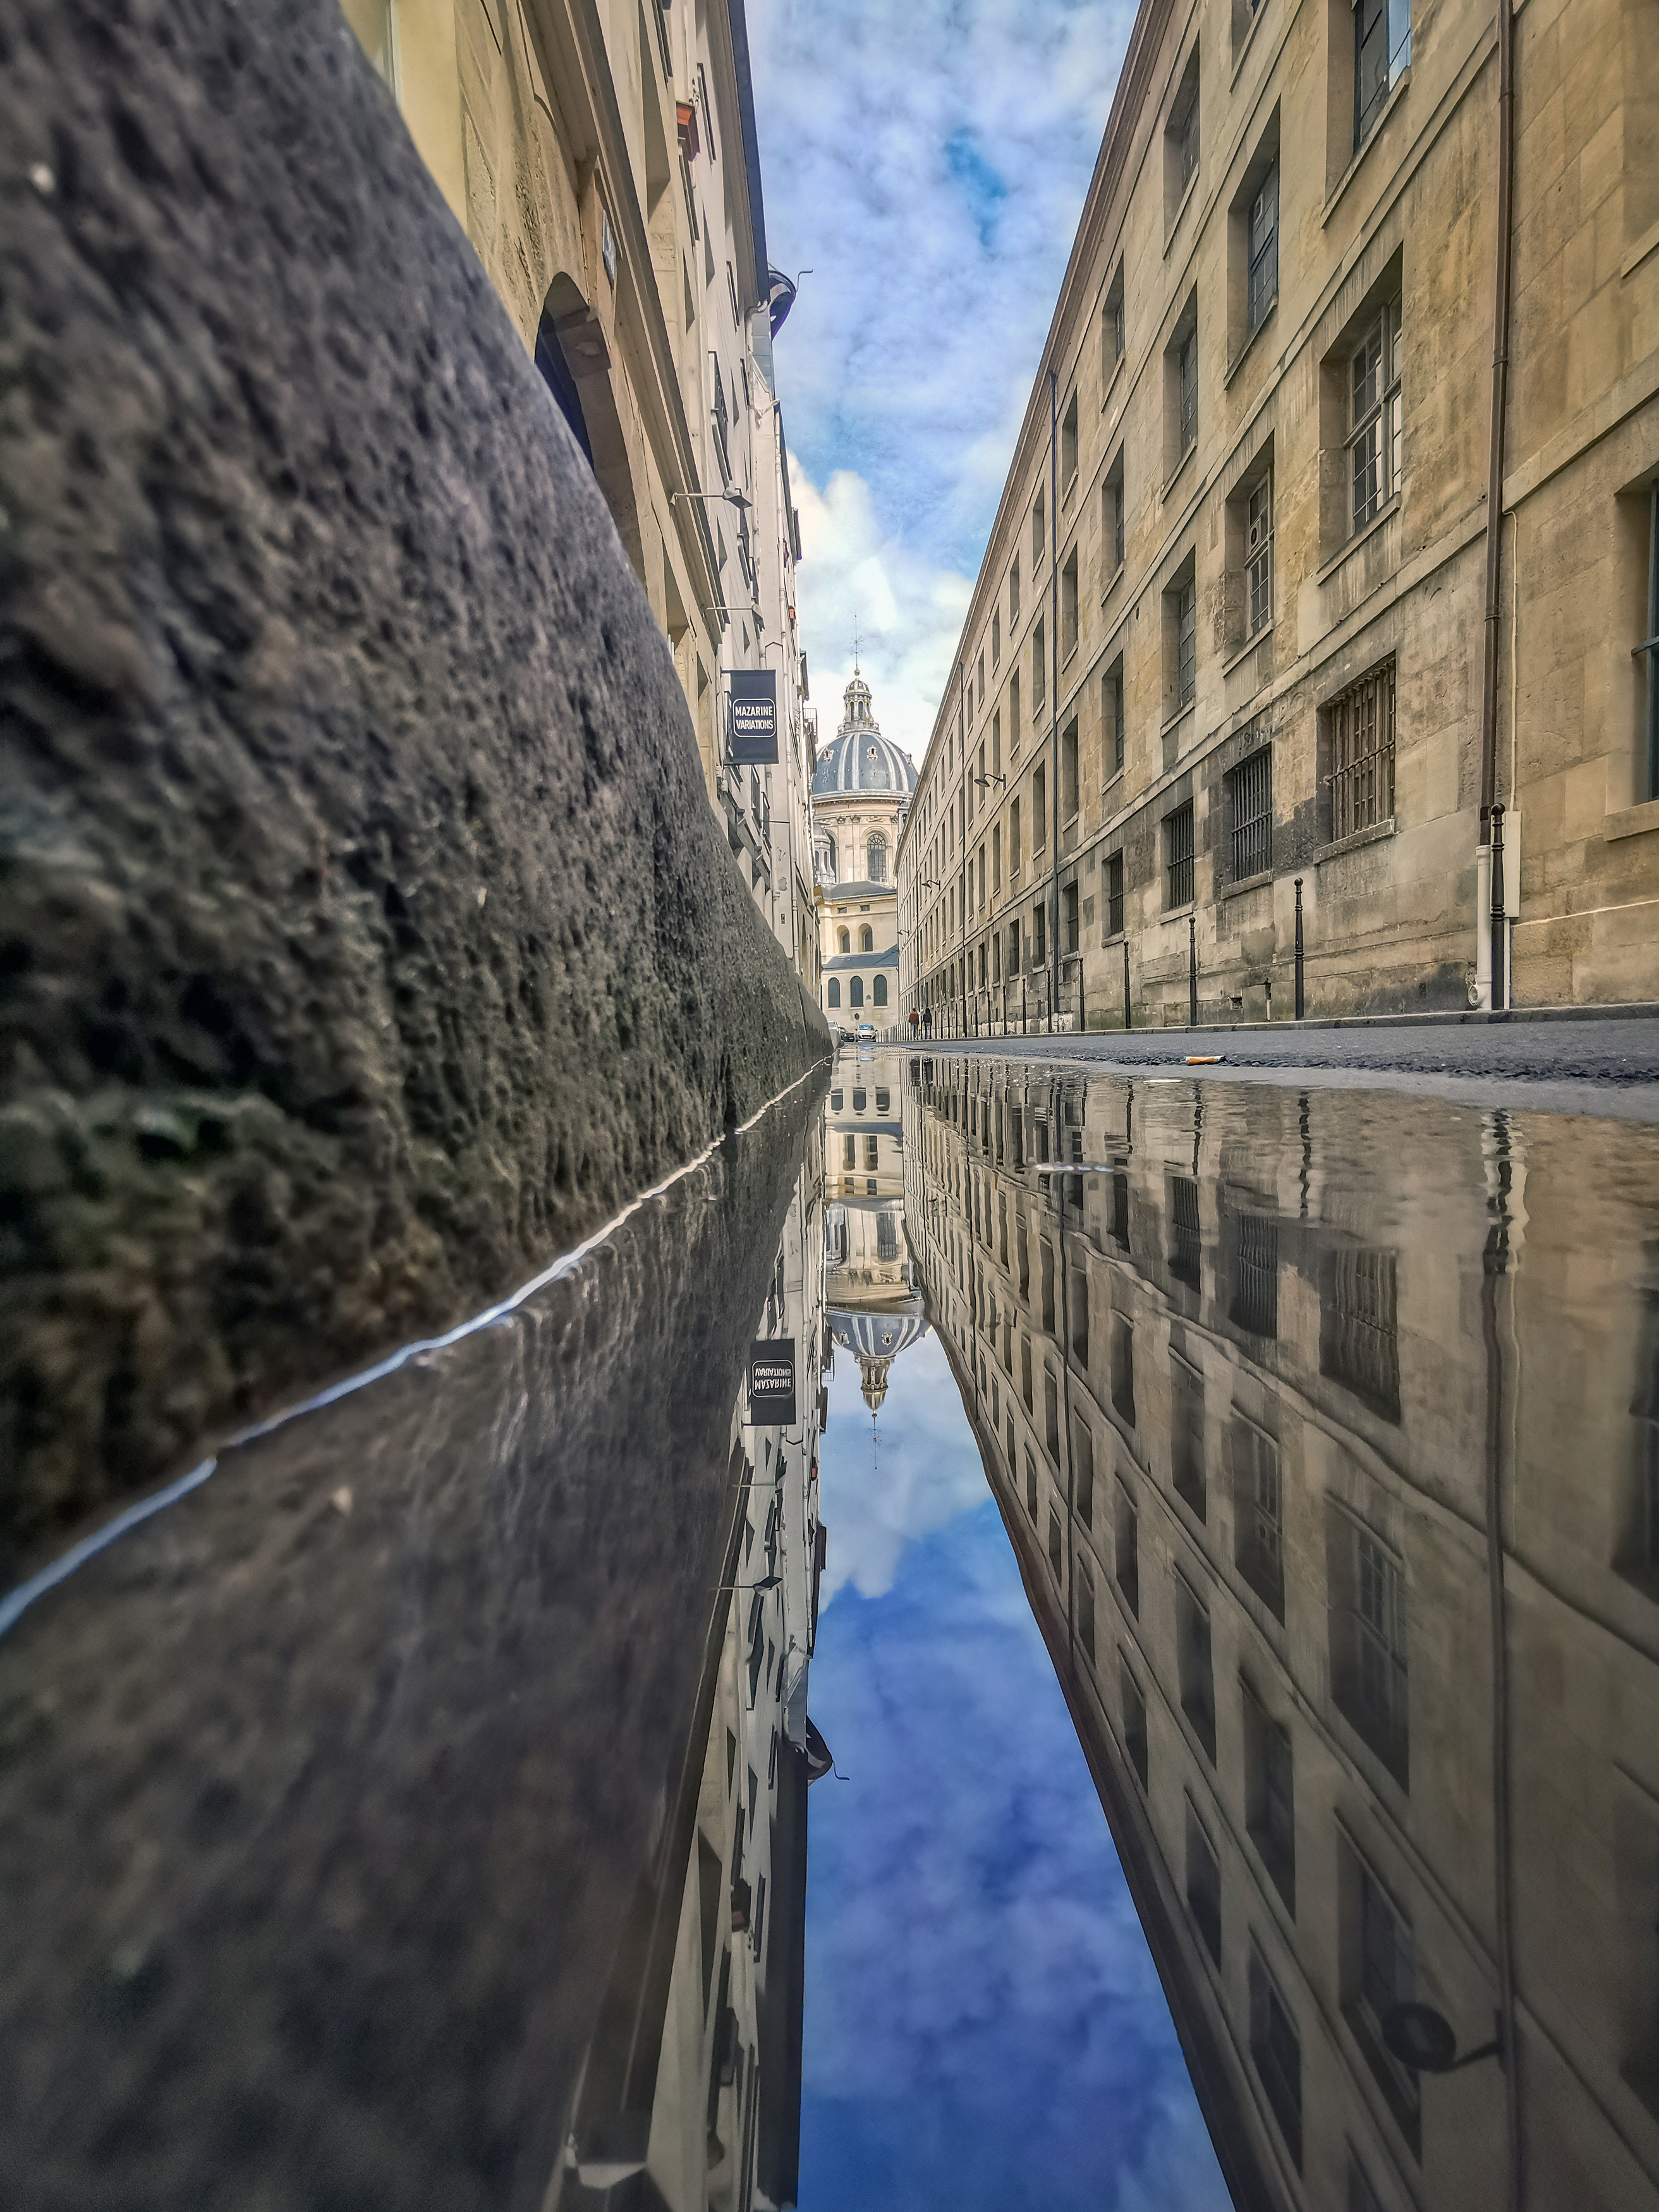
x=861 y=791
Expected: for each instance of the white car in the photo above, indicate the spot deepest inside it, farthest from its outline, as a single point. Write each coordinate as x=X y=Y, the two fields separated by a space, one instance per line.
x=866 y=1032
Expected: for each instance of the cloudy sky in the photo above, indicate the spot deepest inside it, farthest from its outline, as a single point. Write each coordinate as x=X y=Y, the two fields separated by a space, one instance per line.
x=929 y=163
x=984 y=2026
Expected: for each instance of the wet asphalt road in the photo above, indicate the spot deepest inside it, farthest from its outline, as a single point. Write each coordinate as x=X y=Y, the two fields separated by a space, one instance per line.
x=1601 y=1066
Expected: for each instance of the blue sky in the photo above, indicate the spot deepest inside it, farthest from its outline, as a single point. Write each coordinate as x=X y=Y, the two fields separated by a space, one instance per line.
x=984 y=2026
x=929 y=163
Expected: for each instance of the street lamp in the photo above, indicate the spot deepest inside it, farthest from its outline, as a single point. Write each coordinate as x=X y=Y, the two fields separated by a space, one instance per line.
x=1424 y=2040
x=985 y=783
x=732 y=498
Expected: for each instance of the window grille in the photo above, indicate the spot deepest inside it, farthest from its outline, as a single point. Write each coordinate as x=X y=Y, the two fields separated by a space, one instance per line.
x=1186 y=644
x=1186 y=1244
x=1375 y=434
x=1358 y=1337
x=1114 y=895
x=1383 y=52
x=1186 y=387
x=1259 y=554
x=1250 y=787
x=1263 y=244
x=1360 y=728
x=886 y=1238
x=1256 y=1274
x=1178 y=862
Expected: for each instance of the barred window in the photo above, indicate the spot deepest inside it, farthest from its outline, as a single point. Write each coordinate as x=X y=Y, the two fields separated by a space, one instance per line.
x=1358 y=1329
x=1360 y=743
x=1178 y=856
x=1256 y=1274
x=1250 y=805
x=1264 y=248
x=1186 y=1232
x=1259 y=554
x=1114 y=895
x=1375 y=437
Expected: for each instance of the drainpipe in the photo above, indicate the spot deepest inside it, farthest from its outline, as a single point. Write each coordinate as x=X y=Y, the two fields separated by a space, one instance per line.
x=1494 y=965
x=1053 y=697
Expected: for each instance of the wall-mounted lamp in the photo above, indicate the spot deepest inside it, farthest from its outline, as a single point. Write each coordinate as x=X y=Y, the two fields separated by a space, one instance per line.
x=985 y=783
x=732 y=498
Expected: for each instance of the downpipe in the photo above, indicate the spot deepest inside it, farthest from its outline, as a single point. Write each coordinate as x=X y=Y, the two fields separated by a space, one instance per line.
x=1492 y=966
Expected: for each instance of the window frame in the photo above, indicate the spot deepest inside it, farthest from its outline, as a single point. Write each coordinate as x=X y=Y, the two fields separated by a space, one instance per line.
x=1374 y=443
x=1258 y=521
x=1178 y=857
x=1262 y=282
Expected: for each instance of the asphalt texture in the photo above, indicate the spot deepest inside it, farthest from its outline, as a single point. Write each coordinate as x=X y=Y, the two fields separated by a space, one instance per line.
x=1601 y=1066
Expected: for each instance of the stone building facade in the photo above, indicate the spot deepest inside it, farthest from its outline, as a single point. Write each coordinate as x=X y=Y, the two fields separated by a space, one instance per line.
x=1228 y=660
x=861 y=788
x=1202 y=1338
x=605 y=165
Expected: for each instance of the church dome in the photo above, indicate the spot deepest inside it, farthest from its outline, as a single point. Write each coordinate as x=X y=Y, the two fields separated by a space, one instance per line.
x=858 y=758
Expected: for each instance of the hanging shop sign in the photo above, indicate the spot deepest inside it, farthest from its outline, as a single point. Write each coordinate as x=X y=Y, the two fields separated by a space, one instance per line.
x=772 y=1382
x=754 y=716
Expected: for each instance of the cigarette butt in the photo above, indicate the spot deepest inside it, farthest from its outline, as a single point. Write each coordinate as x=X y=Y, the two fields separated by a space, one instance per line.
x=1205 y=1058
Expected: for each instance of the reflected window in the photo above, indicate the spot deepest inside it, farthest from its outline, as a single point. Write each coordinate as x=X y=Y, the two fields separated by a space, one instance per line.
x=886 y=1237
x=1135 y=1719
x=1030 y=1487
x=1358 y=1327
x=1081 y=1316
x=1051 y=1416
x=1127 y=1549
x=1257 y=1513
x=849 y=1151
x=1276 y=2049
x=1197 y=1674
x=1254 y=1305
x=1056 y=1546
x=1046 y=1253
x=1084 y=1593
x=1026 y=1371
x=1186 y=1240
x=835 y=1101
x=1378 y=1969
x=883 y=1102
x=858 y=1102
x=871 y=1159
x=1369 y=1675
x=834 y=1235
x=1269 y=1798
x=1083 y=1465
x=1121 y=1210
x=1186 y=1435
x=1203 y=1884
x=1123 y=1368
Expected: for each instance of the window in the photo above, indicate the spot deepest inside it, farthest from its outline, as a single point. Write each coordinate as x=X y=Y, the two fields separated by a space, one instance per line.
x=1112 y=741
x=1258 y=1530
x=1068 y=777
x=871 y=1153
x=1369 y=1671
x=1186 y=368
x=1259 y=556
x=1111 y=332
x=1203 y=1884
x=1276 y=2049
x=996 y=638
x=1085 y=1591
x=1039 y=935
x=1082 y=1444
x=1123 y=1368
x=1114 y=895
x=1197 y=1681
x=1180 y=139
x=1030 y=1474
x=1374 y=414
x=1069 y=607
x=1126 y=1540
x=1184 y=613
x=1186 y=1435
x=1111 y=518
x=1068 y=445
x=1381 y=54
x=876 y=859
x=845 y=940
x=1357 y=729
x=1039 y=667
x=1013 y=593
x=981 y=685
x=1178 y=857
x=1378 y=1971
x=878 y=991
x=1358 y=1327
x=1039 y=810
x=1069 y=920
x=1039 y=532
x=1013 y=713
x=1261 y=246
x=1056 y=1546
x=855 y=992
x=867 y=940
x=1251 y=814
x=1254 y=1305
x=1135 y=1719
x=1046 y=1252
x=1013 y=843
x=833 y=994
x=996 y=859
x=1269 y=1796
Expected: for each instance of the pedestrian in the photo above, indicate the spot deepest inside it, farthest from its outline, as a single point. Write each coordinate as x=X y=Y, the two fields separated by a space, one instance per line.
x=927 y=1021
x=915 y=1020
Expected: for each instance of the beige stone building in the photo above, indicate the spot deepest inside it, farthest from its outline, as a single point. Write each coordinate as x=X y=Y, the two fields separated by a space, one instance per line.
x=602 y=158
x=1246 y=1394
x=1242 y=637
x=862 y=790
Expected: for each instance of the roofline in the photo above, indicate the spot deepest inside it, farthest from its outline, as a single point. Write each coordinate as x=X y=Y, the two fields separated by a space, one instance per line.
x=751 y=146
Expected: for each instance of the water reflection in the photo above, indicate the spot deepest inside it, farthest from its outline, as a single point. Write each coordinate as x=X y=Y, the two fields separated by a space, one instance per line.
x=1324 y=1430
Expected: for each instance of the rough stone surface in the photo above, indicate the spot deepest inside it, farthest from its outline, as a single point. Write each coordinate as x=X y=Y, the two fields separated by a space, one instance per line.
x=324 y=1793
x=366 y=935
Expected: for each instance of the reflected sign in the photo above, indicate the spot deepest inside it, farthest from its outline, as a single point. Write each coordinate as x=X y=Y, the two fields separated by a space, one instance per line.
x=772 y=1382
x=754 y=716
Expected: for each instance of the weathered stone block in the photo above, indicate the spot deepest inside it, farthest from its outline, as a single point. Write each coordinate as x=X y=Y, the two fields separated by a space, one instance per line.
x=365 y=936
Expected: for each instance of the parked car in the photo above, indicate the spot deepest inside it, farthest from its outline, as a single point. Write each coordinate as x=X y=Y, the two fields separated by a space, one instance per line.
x=866 y=1032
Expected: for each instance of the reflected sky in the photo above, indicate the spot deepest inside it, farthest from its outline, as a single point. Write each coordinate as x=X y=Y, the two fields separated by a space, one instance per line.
x=984 y=2025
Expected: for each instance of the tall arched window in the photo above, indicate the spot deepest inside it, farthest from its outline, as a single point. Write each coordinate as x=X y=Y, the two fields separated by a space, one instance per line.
x=845 y=941
x=834 y=991
x=855 y=992
x=876 y=860
x=879 y=994
x=867 y=939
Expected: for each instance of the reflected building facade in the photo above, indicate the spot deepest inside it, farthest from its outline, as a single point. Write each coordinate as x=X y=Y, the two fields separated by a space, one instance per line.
x=872 y=1298
x=1325 y=1432
x=690 y=2098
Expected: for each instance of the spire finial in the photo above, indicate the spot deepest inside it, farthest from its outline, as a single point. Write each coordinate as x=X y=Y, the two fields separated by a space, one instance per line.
x=855 y=648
